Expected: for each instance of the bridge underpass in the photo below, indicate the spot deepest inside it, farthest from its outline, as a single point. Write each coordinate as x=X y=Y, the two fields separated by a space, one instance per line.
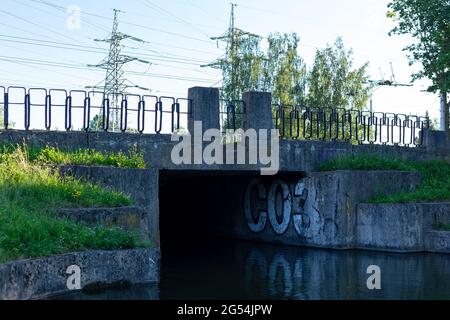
x=203 y=204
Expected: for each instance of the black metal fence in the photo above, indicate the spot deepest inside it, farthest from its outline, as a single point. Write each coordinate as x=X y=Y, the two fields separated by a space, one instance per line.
x=231 y=114
x=57 y=109
x=354 y=126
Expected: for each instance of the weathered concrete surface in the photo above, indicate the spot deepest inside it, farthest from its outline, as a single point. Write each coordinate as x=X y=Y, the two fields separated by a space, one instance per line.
x=140 y=184
x=295 y=156
x=331 y=207
x=437 y=241
x=206 y=108
x=39 y=278
x=127 y=218
x=258 y=113
x=319 y=210
x=403 y=227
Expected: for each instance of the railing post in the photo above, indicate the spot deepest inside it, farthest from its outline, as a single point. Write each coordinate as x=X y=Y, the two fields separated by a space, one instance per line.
x=205 y=108
x=5 y=110
x=258 y=113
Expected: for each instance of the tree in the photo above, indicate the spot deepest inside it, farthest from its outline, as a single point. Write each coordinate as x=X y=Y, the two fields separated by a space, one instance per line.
x=96 y=124
x=428 y=22
x=285 y=72
x=333 y=82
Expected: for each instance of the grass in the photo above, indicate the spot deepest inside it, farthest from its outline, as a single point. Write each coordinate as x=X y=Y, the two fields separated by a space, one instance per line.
x=435 y=185
x=52 y=155
x=29 y=228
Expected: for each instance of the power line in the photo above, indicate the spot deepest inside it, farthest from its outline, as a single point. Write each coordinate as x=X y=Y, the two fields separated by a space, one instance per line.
x=36 y=25
x=168 y=13
x=61 y=8
x=127 y=23
x=84 y=67
x=69 y=46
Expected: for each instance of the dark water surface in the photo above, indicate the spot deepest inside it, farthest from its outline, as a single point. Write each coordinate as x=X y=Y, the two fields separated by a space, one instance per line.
x=227 y=269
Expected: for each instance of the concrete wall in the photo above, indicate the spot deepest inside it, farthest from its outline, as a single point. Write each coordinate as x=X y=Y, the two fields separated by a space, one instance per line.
x=318 y=210
x=403 y=227
x=140 y=184
x=39 y=278
x=304 y=156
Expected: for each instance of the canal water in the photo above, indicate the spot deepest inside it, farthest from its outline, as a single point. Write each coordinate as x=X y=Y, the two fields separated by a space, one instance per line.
x=228 y=269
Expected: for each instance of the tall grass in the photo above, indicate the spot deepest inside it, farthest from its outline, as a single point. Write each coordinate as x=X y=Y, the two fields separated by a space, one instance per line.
x=51 y=155
x=435 y=185
x=28 y=226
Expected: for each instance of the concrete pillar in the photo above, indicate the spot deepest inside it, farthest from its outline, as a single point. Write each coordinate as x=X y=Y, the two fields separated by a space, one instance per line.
x=205 y=108
x=258 y=113
x=435 y=140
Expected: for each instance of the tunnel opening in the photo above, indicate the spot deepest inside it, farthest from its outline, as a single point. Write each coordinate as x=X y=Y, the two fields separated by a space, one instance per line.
x=196 y=205
x=205 y=240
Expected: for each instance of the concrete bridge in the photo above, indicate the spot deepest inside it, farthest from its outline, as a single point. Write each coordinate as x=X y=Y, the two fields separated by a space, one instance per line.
x=297 y=206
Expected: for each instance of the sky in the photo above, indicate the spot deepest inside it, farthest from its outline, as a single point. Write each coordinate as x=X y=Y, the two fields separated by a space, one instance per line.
x=35 y=36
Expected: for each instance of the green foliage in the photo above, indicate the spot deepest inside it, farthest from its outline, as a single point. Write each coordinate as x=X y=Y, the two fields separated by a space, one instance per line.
x=365 y=162
x=334 y=83
x=428 y=22
x=28 y=227
x=133 y=159
x=52 y=155
x=241 y=66
x=435 y=185
x=285 y=72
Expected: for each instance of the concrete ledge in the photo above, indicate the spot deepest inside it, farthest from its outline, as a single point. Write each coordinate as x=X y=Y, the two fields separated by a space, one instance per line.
x=141 y=184
x=438 y=241
x=40 y=278
x=394 y=227
x=402 y=227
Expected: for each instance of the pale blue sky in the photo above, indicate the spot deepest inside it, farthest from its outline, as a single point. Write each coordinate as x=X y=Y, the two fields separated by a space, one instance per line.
x=178 y=33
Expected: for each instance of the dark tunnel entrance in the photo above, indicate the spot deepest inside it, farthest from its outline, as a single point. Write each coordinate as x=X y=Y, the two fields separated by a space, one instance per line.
x=197 y=205
x=205 y=241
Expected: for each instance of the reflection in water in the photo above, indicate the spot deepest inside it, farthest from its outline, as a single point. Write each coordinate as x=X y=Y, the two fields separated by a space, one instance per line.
x=224 y=269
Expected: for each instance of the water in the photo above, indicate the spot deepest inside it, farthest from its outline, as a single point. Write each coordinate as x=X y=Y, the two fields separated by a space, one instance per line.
x=227 y=269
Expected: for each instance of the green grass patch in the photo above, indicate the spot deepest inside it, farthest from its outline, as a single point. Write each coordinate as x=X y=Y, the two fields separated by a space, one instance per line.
x=435 y=185
x=51 y=155
x=28 y=227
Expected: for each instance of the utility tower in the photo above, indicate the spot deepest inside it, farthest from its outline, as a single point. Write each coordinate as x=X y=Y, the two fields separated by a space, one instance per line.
x=392 y=82
x=115 y=82
x=227 y=63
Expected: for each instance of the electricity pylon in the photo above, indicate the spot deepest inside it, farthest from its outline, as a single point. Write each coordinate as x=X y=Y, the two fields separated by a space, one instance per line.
x=228 y=62
x=115 y=82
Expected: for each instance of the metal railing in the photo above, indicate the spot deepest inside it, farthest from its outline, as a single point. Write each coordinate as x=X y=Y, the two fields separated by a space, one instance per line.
x=231 y=114
x=354 y=126
x=58 y=109
x=40 y=108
